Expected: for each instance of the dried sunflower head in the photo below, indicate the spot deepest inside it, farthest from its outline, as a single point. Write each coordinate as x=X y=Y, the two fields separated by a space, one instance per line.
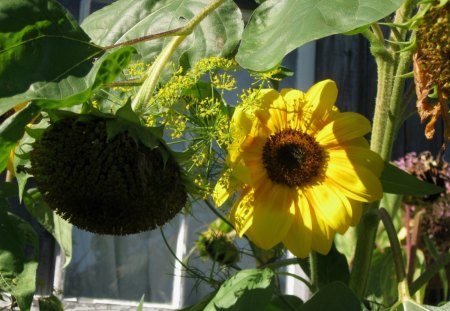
x=432 y=67
x=106 y=185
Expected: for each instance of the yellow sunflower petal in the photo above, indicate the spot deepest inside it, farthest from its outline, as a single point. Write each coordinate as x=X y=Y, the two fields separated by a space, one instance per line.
x=322 y=234
x=346 y=126
x=355 y=181
x=231 y=181
x=357 y=156
x=241 y=214
x=266 y=99
x=330 y=205
x=299 y=237
x=273 y=215
x=295 y=100
x=320 y=100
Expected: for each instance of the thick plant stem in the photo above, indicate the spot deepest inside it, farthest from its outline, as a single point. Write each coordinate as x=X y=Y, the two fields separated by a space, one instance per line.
x=314 y=276
x=145 y=93
x=390 y=88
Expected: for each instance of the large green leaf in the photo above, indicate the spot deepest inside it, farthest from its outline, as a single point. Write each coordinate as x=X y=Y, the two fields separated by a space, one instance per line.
x=51 y=303
x=40 y=44
x=12 y=130
x=247 y=290
x=74 y=90
x=333 y=297
x=397 y=181
x=280 y=26
x=332 y=267
x=285 y=302
x=124 y=20
x=18 y=258
x=52 y=222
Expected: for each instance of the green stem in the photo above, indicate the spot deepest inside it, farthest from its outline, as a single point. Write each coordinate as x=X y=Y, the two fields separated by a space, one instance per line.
x=395 y=245
x=366 y=232
x=281 y=263
x=430 y=272
x=145 y=93
x=304 y=281
x=314 y=273
x=389 y=90
x=394 y=120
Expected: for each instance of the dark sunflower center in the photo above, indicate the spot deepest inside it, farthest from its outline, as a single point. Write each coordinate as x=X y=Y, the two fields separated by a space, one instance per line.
x=293 y=158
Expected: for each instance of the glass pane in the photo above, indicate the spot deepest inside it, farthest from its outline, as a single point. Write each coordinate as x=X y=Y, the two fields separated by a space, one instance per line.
x=123 y=268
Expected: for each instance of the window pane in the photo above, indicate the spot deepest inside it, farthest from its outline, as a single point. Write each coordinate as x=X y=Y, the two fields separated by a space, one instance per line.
x=123 y=268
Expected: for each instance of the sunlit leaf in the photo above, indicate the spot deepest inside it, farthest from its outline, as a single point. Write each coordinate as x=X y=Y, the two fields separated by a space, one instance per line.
x=40 y=44
x=124 y=20
x=280 y=26
x=247 y=290
x=395 y=180
x=12 y=130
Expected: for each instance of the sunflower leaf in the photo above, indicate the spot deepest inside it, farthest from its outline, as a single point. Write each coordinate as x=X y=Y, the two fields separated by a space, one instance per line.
x=397 y=181
x=280 y=26
x=12 y=130
x=332 y=267
x=17 y=267
x=40 y=44
x=59 y=228
x=247 y=290
x=218 y=34
x=336 y=296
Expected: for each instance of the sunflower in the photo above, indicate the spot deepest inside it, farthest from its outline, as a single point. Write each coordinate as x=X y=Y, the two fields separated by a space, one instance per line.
x=302 y=168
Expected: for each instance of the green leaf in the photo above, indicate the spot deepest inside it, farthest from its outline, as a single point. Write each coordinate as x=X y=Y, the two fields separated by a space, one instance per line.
x=200 y=306
x=140 y=306
x=12 y=130
x=397 y=181
x=332 y=267
x=333 y=297
x=18 y=258
x=40 y=43
x=285 y=302
x=59 y=228
x=51 y=303
x=218 y=34
x=247 y=290
x=382 y=285
x=280 y=26
x=76 y=90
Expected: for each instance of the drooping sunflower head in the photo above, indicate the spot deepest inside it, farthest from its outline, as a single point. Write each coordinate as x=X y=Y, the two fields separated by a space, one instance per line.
x=304 y=169
x=108 y=186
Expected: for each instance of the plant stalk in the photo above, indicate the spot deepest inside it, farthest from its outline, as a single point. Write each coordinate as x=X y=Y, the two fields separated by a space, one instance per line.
x=391 y=64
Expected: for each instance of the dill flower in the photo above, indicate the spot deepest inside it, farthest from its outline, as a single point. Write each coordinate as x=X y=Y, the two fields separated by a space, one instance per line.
x=302 y=167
